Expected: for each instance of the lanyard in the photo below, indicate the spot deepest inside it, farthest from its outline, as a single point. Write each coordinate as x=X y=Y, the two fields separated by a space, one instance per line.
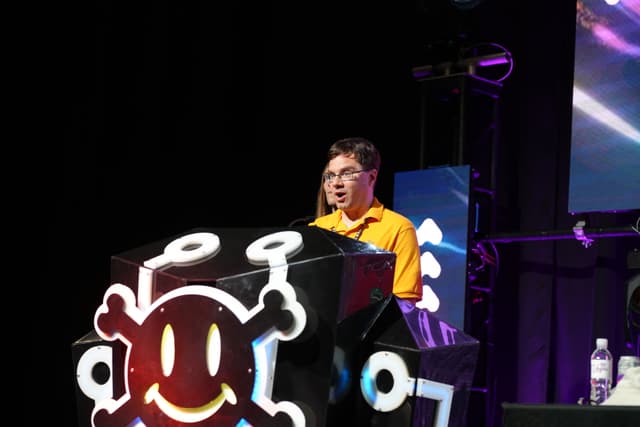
x=358 y=234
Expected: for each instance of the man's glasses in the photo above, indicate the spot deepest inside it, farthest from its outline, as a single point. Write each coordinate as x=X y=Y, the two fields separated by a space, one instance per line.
x=344 y=176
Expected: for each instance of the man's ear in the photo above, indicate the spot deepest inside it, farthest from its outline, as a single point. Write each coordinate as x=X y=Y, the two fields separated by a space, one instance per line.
x=373 y=175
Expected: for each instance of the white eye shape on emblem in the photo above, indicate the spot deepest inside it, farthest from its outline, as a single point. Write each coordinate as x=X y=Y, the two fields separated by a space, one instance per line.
x=214 y=347
x=167 y=350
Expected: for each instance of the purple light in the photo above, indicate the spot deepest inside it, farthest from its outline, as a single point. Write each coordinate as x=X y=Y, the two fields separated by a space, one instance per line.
x=492 y=61
x=422 y=73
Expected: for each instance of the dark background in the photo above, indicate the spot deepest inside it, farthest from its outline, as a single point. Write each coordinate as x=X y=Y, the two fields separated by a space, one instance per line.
x=176 y=115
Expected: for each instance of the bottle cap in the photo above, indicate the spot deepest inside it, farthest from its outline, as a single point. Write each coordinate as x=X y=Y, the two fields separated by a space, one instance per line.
x=602 y=342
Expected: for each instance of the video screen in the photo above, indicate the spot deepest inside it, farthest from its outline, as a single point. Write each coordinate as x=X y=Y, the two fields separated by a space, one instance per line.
x=605 y=137
x=436 y=201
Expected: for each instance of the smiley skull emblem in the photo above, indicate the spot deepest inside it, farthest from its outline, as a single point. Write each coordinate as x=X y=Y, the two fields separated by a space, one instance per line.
x=193 y=357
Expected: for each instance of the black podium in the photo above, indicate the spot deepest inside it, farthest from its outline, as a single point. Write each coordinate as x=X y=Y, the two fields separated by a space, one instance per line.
x=272 y=346
x=267 y=327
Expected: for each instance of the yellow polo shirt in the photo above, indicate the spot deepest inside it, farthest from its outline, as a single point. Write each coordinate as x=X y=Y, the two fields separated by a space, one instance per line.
x=390 y=231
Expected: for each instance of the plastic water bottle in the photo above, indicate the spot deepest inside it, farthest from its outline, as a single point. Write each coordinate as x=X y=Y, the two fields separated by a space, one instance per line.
x=624 y=363
x=601 y=372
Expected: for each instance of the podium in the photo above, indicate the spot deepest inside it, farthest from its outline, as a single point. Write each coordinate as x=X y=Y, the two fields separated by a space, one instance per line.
x=272 y=346
x=237 y=326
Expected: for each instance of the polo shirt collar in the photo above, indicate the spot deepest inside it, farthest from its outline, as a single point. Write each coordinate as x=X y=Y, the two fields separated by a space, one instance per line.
x=373 y=214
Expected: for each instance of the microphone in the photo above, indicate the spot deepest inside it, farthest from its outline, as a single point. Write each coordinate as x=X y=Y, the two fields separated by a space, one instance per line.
x=301 y=221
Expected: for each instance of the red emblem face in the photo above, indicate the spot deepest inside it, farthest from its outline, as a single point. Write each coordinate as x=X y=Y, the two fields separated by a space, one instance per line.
x=191 y=357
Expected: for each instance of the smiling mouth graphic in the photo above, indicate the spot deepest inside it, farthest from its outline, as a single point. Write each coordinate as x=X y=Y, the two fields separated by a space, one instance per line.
x=190 y=415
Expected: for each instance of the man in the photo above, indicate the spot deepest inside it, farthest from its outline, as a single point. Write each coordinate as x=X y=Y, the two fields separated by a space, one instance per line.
x=351 y=176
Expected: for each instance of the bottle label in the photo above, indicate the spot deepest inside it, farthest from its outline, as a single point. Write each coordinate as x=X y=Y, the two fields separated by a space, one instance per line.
x=600 y=369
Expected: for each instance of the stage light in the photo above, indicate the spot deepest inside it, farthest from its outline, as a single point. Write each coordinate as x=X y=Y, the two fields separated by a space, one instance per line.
x=469 y=60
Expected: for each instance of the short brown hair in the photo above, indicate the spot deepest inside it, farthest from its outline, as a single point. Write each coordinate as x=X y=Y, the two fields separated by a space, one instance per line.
x=362 y=150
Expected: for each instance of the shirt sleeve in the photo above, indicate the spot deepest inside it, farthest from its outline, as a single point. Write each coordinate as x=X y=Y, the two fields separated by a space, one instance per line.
x=407 y=279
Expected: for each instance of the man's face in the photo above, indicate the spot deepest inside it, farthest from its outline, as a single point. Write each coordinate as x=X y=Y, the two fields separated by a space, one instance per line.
x=352 y=194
